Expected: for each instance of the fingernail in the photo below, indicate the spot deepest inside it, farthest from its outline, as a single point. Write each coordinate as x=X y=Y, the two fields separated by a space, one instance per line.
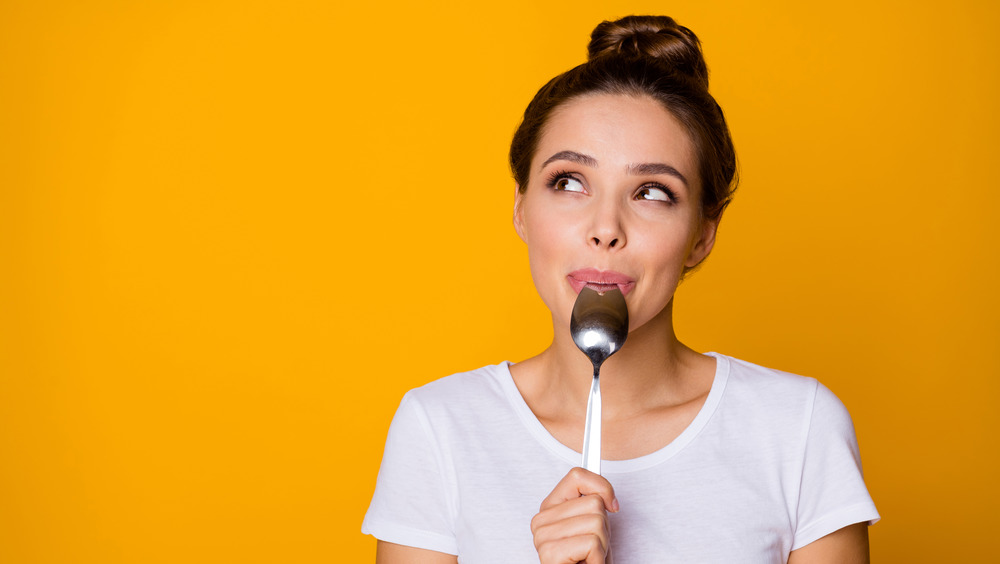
x=614 y=505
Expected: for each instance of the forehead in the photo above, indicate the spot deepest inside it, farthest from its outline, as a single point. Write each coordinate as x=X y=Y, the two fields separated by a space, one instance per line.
x=618 y=130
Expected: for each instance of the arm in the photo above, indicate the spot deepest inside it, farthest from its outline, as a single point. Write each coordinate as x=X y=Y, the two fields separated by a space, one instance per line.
x=833 y=497
x=390 y=553
x=845 y=546
x=410 y=506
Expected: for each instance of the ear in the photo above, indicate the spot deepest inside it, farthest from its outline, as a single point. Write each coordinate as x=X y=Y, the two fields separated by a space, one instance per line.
x=703 y=245
x=519 y=213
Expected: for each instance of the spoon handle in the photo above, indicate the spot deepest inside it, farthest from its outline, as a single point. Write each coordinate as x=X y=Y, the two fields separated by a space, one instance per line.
x=592 y=429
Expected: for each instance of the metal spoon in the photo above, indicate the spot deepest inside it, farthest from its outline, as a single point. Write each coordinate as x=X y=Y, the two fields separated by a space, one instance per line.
x=599 y=326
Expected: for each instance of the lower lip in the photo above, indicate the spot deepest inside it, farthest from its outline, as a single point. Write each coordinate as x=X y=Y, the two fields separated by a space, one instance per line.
x=579 y=285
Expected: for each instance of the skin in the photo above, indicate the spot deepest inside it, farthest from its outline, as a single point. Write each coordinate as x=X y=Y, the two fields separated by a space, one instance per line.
x=589 y=204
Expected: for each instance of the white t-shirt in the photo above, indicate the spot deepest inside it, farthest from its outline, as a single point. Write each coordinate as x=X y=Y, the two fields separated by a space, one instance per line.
x=768 y=465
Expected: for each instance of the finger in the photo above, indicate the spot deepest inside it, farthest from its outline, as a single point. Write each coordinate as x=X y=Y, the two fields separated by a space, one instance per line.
x=584 y=505
x=578 y=482
x=570 y=550
x=587 y=524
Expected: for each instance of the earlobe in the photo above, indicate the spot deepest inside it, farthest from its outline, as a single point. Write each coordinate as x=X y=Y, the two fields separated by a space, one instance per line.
x=519 y=213
x=703 y=246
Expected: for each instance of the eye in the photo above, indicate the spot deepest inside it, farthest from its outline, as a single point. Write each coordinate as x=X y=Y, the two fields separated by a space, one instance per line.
x=565 y=183
x=656 y=193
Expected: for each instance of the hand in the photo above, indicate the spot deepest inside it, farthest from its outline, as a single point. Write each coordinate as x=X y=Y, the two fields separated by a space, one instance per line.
x=572 y=523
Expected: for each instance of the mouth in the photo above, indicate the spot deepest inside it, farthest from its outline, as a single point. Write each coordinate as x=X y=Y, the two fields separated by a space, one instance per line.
x=600 y=280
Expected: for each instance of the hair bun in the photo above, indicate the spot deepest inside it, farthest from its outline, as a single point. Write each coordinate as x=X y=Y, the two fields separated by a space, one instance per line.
x=654 y=37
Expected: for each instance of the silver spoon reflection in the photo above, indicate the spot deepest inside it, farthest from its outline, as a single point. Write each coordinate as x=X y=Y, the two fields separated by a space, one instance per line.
x=599 y=326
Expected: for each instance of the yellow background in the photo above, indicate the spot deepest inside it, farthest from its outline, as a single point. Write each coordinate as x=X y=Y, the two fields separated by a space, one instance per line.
x=233 y=234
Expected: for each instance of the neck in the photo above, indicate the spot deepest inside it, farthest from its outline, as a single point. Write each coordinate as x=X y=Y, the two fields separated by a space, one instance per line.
x=647 y=372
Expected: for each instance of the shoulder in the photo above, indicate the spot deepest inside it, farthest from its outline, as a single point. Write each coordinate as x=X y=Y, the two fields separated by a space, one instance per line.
x=777 y=394
x=462 y=397
x=442 y=412
x=464 y=386
x=770 y=379
x=767 y=385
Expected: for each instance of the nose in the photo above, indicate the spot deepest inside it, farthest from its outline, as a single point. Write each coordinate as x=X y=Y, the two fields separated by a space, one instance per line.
x=607 y=229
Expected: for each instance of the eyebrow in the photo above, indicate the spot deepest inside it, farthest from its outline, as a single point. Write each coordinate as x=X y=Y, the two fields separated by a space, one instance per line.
x=655 y=168
x=572 y=156
x=638 y=169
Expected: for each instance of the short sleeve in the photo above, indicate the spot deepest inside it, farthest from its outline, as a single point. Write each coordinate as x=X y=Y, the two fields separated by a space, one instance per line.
x=832 y=493
x=412 y=502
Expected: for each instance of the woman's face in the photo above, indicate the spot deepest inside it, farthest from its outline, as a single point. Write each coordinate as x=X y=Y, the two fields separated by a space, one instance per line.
x=612 y=200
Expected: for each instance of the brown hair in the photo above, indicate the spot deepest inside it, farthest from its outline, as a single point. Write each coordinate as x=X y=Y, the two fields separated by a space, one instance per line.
x=643 y=56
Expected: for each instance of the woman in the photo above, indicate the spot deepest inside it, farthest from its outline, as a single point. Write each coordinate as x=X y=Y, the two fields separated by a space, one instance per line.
x=623 y=167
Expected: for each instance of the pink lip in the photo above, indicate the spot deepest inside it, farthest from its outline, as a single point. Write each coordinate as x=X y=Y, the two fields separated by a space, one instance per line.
x=600 y=280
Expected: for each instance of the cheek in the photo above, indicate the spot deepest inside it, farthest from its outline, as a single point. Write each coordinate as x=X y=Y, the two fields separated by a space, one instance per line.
x=544 y=240
x=663 y=243
x=551 y=248
x=662 y=254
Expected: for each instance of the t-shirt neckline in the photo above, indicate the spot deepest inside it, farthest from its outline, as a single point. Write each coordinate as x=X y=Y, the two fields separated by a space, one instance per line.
x=542 y=435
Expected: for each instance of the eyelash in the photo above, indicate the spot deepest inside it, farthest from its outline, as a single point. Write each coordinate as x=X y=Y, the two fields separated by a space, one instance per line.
x=555 y=176
x=671 y=196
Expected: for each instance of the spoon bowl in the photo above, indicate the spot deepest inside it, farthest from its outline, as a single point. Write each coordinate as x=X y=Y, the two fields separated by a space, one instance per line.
x=599 y=324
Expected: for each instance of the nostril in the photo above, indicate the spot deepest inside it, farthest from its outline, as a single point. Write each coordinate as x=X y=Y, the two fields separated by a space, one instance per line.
x=613 y=243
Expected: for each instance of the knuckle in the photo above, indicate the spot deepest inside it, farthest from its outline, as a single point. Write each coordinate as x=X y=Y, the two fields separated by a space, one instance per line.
x=536 y=523
x=595 y=522
x=595 y=545
x=606 y=488
x=594 y=504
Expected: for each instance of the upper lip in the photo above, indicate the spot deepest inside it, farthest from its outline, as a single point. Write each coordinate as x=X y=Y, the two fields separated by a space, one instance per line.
x=582 y=277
